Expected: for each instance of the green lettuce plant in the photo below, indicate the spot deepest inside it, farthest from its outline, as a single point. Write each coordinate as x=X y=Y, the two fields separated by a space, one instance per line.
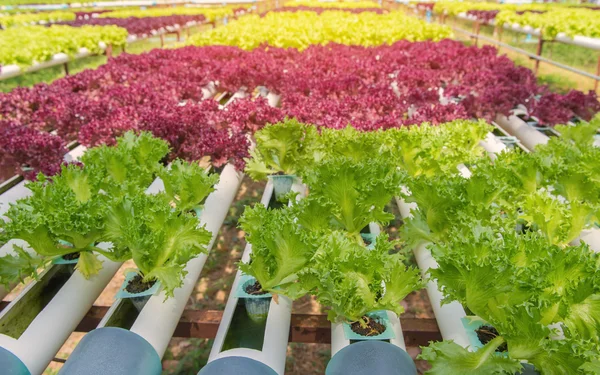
x=536 y=284
x=187 y=184
x=284 y=148
x=129 y=166
x=65 y=214
x=353 y=280
x=349 y=195
x=161 y=240
x=280 y=249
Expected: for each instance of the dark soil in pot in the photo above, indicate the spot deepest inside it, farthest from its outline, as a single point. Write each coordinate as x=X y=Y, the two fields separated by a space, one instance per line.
x=71 y=256
x=487 y=333
x=371 y=328
x=137 y=284
x=255 y=289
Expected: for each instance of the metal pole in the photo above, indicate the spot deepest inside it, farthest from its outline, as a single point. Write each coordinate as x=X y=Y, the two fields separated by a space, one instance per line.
x=531 y=55
x=66 y=66
x=598 y=74
x=539 y=53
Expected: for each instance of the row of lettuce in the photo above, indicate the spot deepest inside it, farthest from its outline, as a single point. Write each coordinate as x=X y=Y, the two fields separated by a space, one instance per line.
x=29 y=43
x=570 y=18
x=302 y=29
x=26 y=19
x=504 y=238
x=167 y=91
x=102 y=199
x=290 y=28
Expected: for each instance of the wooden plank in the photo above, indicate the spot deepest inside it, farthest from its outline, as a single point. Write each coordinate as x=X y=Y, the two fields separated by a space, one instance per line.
x=305 y=328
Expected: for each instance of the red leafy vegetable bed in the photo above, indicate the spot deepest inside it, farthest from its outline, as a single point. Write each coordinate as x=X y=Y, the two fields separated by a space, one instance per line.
x=333 y=86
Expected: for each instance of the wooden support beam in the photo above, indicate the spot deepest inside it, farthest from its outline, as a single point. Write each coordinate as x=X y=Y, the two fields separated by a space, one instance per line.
x=306 y=328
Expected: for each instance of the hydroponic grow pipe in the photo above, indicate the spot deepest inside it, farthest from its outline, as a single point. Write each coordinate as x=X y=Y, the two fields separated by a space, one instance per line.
x=270 y=359
x=9 y=71
x=526 y=134
x=577 y=40
x=167 y=312
x=448 y=316
x=37 y=345
x=139 y=350
x=492 y=145
x=45 y=335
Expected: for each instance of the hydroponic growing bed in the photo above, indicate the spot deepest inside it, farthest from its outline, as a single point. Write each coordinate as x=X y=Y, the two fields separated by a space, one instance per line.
x=504 y=237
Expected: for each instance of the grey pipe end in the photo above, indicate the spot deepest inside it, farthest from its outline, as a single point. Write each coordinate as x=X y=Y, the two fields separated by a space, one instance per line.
x=369 y=358
x=10 y=364
x=237 y=366
x=113 y=351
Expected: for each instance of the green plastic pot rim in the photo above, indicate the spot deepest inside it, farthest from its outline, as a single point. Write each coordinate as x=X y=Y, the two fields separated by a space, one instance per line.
x=240 y=291
x=123 y=293
x=471 y=323
x=382 y=316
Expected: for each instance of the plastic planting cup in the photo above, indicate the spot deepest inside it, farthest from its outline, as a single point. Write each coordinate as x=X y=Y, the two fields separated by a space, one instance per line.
x=140 y=299
x=381 y=317
x=257 y=305
x=370 y=238
x=258 y=308
x=282 y=184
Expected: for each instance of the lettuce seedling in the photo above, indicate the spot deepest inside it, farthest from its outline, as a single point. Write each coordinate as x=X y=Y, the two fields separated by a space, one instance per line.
x=65 y=214
x=280 y=249
x=353 y=280
x=161 y=240
x=187 y=184
x=128 y=167
x=349 y=195
x=286 y=148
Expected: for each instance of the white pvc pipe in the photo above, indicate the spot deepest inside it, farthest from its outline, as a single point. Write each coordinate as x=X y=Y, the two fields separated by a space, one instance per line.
x=159 y=317
x=577 y=40
x=232 y=300
x=338 y=338
x=528 y=136
x=52 y=326
x=273 y=99
x=448 y=316
x=492 y=145
x=591 y=237
x=274 y=349
x=46 y=334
